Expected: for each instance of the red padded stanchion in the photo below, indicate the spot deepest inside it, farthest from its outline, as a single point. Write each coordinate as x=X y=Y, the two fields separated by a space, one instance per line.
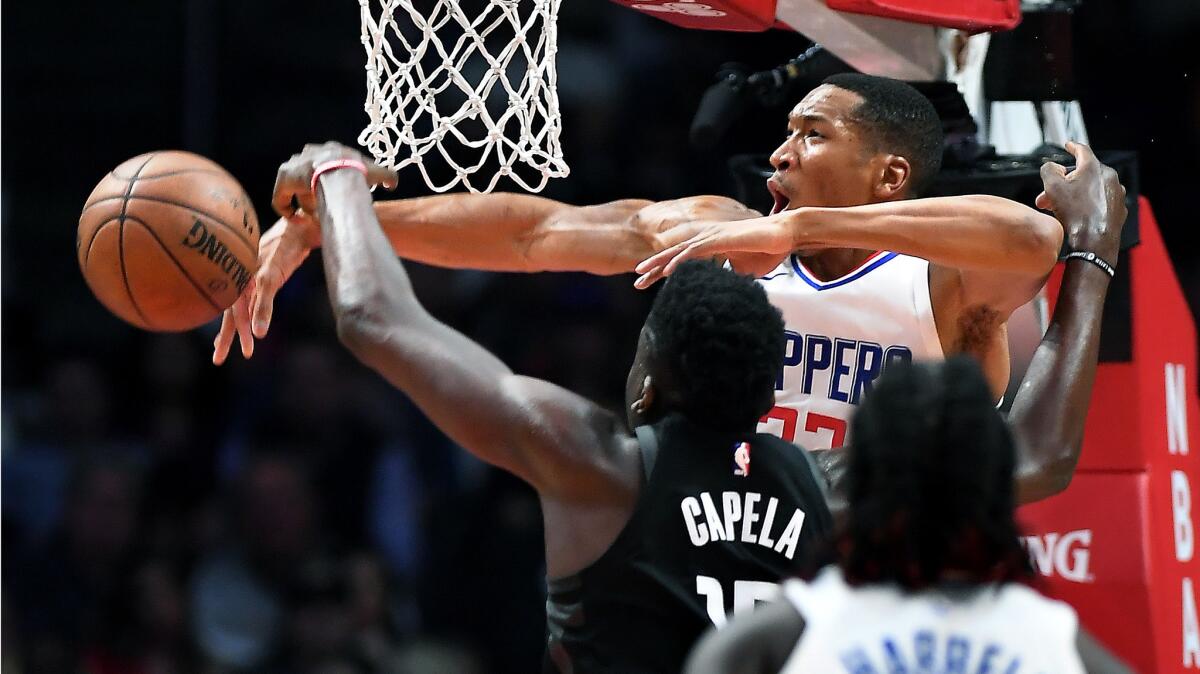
x=1119 y=544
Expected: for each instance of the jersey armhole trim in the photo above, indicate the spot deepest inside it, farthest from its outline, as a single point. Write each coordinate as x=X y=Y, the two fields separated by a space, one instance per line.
x=817 y=474
x=923 y=308
x=648 y=443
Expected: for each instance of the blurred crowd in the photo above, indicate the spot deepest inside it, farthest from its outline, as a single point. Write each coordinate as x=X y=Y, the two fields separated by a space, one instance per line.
x=293 y=513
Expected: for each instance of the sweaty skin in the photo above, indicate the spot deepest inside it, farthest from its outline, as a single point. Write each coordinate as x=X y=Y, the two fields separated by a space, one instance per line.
x=838 y=199
x=837 y=202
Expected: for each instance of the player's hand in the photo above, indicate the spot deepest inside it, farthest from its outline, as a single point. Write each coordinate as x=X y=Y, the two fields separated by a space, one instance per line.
x=293 y=181
x=1089 y=201
x=750 y=246
x=286 y=245
x=280 y=252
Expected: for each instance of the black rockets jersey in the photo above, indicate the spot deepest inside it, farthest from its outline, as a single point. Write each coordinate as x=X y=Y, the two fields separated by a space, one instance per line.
x=721 y=518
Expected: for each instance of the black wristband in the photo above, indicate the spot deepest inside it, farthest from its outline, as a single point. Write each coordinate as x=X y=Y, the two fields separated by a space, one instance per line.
x=1094 y=259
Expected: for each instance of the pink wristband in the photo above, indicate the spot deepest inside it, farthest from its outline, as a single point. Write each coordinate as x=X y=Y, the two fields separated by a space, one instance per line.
x=333 y=165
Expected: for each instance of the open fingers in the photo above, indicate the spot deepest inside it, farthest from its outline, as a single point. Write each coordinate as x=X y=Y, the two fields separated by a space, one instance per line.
x=648 y=279
x=241 y=321
x=262 y=302
x=693 y=250
x=224 y=338
x=661 y=258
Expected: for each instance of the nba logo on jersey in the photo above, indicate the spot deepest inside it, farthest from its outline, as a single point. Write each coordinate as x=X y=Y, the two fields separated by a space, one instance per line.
x=741 y=459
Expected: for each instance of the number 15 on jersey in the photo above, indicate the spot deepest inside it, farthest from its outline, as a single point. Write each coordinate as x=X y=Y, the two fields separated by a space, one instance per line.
x=746 y=594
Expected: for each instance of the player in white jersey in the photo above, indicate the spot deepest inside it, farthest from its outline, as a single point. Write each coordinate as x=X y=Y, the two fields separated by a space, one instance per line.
x=928 y=564
x=868 y=275
x=840 y=337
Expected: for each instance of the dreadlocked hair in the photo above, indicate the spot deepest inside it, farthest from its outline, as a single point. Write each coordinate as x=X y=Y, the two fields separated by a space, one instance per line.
x=930 y=481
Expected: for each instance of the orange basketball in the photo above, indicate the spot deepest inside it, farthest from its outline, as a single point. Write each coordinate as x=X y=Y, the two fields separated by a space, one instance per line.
x=168 y=240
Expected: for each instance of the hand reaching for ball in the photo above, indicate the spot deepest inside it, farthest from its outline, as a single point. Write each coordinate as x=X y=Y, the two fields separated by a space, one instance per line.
x=286 y=245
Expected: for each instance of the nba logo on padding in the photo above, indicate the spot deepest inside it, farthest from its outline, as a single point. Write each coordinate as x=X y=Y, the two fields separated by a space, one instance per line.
x=741 y=459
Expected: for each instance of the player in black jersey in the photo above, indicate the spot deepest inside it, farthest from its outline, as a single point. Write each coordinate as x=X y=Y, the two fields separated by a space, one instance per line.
x=650 y=535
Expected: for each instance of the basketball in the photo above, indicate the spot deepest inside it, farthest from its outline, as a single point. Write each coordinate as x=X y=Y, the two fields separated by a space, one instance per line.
x=168 y=240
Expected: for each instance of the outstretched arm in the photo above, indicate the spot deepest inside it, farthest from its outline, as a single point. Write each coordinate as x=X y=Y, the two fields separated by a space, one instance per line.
x=517 y=232
x=1000 y=250
x=492 y=232
x=1050 y=408
x=557 y=441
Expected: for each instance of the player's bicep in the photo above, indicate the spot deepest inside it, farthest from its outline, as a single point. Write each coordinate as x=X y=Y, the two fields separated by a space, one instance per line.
x=1002 y=292
x=453 y=380
x=544 y=434
x=566 y=444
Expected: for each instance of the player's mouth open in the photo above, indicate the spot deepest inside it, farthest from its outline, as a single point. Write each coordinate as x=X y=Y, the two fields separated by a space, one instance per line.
x=781 y=200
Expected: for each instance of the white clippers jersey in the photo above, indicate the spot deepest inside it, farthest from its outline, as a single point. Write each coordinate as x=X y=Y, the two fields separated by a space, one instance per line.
x=1007 y=629
x=841 y=334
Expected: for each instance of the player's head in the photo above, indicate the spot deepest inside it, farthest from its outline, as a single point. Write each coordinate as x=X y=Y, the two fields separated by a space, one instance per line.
x=930 y=482
x=711 y=349
x=857 y=139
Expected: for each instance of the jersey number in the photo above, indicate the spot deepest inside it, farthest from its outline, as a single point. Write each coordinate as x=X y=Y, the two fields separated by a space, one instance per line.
x=746 y=593
x=813 y=422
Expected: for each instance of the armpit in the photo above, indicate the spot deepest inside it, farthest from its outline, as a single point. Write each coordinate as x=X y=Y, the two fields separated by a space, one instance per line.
x=977 y=328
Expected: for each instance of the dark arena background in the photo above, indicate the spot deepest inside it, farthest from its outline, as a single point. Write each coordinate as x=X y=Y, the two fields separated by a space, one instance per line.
x=135 y=473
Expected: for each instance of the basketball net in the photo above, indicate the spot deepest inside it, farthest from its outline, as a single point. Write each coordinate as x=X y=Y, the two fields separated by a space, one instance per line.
x=478 y=88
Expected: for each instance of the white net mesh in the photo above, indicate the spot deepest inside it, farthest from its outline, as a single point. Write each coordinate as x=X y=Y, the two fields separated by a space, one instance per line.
x=475 y=82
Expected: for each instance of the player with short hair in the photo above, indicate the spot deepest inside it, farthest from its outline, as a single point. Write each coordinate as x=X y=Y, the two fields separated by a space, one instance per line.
x=891 y=278
x=871 y=275
x=653 y=533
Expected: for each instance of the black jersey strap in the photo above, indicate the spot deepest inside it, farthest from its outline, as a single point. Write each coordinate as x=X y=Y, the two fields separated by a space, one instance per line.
x=648 y=442
x=817 y=473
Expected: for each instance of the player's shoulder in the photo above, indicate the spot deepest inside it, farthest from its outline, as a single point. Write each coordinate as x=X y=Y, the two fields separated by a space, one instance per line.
x=818 y=596
x=1048 y=619
x=1022 y=596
